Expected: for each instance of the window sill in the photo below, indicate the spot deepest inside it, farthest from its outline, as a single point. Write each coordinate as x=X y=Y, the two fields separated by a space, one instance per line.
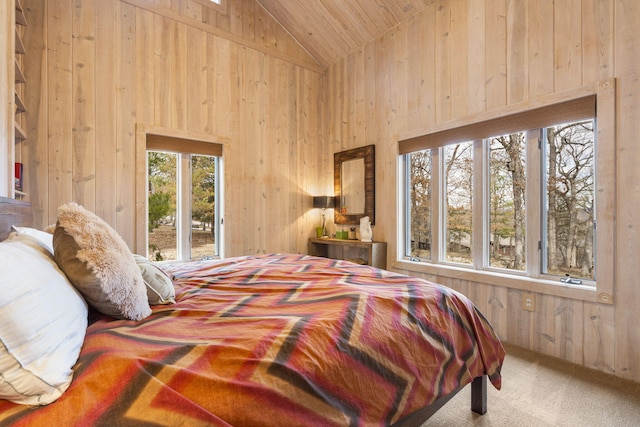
x=541 y=286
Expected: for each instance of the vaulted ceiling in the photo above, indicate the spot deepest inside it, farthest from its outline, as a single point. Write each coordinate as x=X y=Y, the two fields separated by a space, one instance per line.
x=331 y=29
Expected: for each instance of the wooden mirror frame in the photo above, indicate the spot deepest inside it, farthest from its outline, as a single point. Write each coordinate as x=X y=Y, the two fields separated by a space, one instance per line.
x=368 y=154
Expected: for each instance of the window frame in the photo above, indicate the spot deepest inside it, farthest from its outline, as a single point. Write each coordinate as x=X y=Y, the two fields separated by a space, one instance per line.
x=518 y=117
x=184 y=144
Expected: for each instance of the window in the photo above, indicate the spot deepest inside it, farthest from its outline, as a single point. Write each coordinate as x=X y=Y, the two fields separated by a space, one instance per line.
x=568 y=192
x=520 y=194
x=568 y=220
x=419 y=214
x=219 y=5
x=183 y=199
x=458 y=201
x=507 y=185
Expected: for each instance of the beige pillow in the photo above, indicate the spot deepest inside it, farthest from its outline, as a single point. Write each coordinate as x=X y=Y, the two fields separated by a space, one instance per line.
x=160 y=288
x=99 y=264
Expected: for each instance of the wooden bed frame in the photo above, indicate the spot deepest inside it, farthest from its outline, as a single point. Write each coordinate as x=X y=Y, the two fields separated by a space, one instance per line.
x=18 y=213
x=478 y=404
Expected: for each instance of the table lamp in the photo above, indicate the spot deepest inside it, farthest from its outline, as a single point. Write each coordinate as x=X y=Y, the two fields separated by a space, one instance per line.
x=323 y=202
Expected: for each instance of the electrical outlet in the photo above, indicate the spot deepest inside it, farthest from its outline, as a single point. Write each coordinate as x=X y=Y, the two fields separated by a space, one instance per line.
x=528 y=302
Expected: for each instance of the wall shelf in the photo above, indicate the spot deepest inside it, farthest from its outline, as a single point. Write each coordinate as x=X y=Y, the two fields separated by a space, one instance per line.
x=20 y=78
x=21 y=19
x=21 y=135
x=19 y=44
x=20 y=107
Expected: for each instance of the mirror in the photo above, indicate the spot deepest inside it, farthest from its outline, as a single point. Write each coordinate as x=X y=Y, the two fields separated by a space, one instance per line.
x=352 y=190
x=354 y=185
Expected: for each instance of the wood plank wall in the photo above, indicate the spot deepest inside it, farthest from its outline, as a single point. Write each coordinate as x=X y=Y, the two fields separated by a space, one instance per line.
x=98 y=68
x=462 y=57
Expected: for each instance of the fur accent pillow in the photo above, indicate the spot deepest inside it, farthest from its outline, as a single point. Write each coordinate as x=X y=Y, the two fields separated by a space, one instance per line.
x=99 y=264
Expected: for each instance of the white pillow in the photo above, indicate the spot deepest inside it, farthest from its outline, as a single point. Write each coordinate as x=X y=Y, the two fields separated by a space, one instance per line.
x=43 y=321
x=46 y=239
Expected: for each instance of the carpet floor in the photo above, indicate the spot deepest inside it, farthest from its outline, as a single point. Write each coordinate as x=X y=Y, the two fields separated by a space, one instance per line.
x=538 y=390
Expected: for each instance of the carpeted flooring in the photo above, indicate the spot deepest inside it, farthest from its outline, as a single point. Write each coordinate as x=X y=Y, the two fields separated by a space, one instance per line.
x=542 y=391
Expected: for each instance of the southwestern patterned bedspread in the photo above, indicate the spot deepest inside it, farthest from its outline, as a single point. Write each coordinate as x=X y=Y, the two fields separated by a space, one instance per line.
x=277 y=340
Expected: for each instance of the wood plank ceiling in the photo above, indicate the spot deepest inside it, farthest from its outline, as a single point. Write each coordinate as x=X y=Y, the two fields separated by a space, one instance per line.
x=331 y=29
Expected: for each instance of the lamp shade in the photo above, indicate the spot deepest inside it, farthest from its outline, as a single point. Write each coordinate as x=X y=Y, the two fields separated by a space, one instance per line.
x=323 y=202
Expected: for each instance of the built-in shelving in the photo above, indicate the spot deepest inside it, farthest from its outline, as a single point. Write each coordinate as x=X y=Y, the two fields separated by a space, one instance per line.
x=19 y=91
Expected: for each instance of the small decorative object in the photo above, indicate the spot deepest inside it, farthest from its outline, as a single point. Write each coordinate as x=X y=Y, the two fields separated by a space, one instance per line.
x=342 y=234
x=18 y=176
x=366 y=234
x=352 y=233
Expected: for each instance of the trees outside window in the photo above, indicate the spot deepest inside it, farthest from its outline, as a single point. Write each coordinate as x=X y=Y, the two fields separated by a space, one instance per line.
x=569 y=209
x=419 y=184
x=565 y=169
x=458 y=173
x=507 y=185
x=182 y=215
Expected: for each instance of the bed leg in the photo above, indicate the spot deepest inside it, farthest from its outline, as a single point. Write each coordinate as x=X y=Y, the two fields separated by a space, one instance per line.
x=479 y=395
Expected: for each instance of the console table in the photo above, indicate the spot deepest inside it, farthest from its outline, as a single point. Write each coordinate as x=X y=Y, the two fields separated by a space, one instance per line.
x=368 y=253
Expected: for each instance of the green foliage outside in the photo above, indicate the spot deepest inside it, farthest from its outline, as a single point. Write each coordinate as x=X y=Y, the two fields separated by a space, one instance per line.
x=162 y=187
x=203 y=189
x=159 y=207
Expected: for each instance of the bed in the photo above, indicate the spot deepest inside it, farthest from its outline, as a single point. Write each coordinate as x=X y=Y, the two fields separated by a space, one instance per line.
x=278 y=339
